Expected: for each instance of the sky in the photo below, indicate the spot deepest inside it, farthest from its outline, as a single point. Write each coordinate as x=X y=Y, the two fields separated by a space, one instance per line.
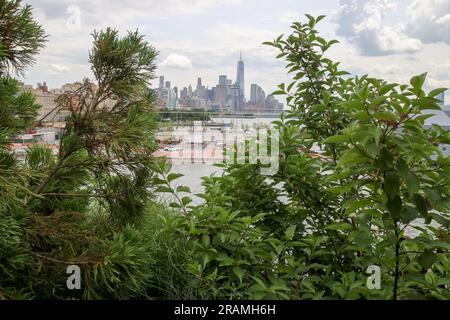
x=391 y=39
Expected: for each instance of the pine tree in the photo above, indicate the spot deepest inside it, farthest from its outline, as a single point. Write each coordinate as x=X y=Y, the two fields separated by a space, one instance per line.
x=85 y=205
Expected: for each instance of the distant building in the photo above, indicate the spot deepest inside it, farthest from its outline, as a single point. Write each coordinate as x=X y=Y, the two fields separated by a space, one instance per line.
x=273 y=105
x=240 y=76
x=166 y=97
x=49 y=112
x=201 y=89
x=257 y=95
x=237 y=98
x=184 y=93
x=220 y=95
x=223 y=80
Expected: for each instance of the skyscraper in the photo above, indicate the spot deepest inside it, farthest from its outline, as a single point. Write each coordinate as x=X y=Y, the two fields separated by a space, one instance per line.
x=223 y=80
x=257 y=95
x=201 y=89
x=161 y=82
x=240 y=76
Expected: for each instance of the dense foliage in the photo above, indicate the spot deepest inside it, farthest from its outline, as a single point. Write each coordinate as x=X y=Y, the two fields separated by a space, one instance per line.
x=84 y=205
x=361 y=182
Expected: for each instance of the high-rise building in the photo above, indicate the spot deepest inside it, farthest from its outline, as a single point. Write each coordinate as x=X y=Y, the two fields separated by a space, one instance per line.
x=273 y=105
x=237 y=98
x=201 y=89
x=240 y=79
x=257 y=95
x=167 y=86
x=161 y=82
x=220 y=94
x=184 y=93
x=222 y=80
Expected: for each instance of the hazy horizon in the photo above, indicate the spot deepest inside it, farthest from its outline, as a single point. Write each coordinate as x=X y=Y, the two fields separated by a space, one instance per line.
x=392 y=39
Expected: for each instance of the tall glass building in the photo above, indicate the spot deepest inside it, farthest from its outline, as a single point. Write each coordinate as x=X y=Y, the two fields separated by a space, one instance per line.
x=240 y=76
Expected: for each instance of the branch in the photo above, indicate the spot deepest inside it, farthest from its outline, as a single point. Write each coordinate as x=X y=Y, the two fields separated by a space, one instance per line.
x=64 y=262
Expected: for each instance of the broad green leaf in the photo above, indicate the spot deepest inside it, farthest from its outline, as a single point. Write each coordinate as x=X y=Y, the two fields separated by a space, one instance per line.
x=336 y=139
x=434 y=93
x=409 y=214
x=391 y=184
x=385 y=115
x=427 y=259
x=339 y=226
x=417 y=82
x=410 y=179
x=186 y=201
x=173 y=176
x=394 y=206
x=421 y=204
x=183 y=189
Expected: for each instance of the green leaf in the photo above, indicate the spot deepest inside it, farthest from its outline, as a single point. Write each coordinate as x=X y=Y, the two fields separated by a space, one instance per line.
x=434 y=93
x=339 y=226
x=183 y=189
x=377 y=101
x=394 y=205
x=426 y=104
x=225 y=260
x=173 y=176
x=386 y=88
x=421 y=204
x=427 y=259
x=239 y=273
x=385 y=115
x=437 y=244
x=352 y=157
x=336 y=139
x=319 y=18
x=186 y=201
x=175 y=205
x=409 y=214
x=164 y=190
x=290 y=232
x=417 y=82
x=411 y=180
x=391 y=184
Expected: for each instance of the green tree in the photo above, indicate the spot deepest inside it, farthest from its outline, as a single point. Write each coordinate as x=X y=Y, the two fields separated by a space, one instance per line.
x=361 y=182
x=85 y=205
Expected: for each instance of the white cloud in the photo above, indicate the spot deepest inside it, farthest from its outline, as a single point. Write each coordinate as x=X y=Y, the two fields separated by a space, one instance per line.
x=430 y=20
x=58 y=68
x=291 y=16
x=362 y=23
x=177 y=61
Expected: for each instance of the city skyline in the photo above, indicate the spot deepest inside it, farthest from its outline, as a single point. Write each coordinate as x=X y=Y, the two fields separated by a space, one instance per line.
x=391 y=39
x=225 y=95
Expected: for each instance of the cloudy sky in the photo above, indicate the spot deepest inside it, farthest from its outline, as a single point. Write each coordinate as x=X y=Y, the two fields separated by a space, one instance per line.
x=394 y=39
